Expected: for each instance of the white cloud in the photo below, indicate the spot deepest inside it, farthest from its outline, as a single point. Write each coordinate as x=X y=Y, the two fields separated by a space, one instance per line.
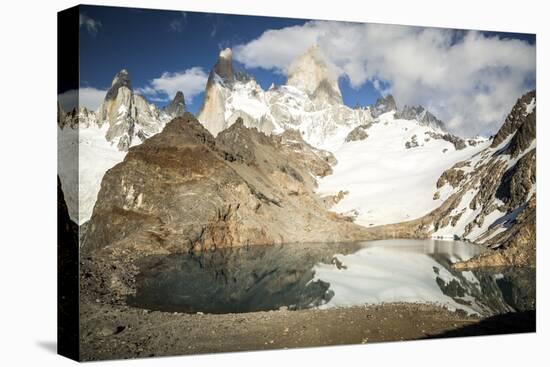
x=91 y=25
x=468 y=79
x=88 y=97
x=191 y=82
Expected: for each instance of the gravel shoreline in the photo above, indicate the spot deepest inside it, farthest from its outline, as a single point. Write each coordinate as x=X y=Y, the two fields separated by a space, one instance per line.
x=113 y=332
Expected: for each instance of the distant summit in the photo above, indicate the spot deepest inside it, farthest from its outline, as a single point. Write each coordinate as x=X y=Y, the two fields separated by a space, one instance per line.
x=420 y=114
x=129 y=117
x=176 y=108
x=311 y=74
x=383 y=105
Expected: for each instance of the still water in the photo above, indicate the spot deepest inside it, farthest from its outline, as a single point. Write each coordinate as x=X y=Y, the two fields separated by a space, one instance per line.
x=298 y=276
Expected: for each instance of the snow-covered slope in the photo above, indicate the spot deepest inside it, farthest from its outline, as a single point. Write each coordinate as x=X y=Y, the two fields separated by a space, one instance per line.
x=391 y=175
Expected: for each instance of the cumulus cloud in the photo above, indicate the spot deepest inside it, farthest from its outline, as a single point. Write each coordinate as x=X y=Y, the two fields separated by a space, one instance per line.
x=91 y=25
x=191 y=82
x=467 y=78
x=88 y=97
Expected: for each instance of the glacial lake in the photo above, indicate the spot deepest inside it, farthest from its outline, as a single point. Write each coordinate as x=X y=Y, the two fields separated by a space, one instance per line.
x=300 y=276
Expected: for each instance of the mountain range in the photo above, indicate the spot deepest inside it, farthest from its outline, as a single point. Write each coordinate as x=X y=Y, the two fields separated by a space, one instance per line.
x=279 y=165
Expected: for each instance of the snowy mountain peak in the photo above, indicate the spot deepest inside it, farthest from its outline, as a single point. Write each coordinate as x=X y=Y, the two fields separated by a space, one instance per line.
x=176 y=107
x=383 y=105
x=226 y=53
x=311 y=73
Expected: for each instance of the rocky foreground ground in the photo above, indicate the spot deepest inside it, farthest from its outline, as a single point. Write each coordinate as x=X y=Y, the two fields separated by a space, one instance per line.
x=113 y=332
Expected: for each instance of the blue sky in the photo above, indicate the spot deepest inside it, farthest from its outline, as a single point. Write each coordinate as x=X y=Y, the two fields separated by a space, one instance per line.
x=149 y=43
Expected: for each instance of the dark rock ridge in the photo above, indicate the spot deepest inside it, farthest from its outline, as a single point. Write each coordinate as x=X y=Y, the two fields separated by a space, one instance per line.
x=383 y=105
x=516 y=118
x=176 y=108
x=183 y=189
x=458 y=143
x=419 y=113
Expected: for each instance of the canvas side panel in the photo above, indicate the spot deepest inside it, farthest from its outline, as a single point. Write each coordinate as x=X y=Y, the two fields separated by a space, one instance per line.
x=67 y=183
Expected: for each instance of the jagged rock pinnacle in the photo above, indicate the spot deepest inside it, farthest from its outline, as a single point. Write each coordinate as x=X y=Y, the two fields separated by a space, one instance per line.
x=121 y=79
x=176 y=107
x=224 y=65
x=311 y=73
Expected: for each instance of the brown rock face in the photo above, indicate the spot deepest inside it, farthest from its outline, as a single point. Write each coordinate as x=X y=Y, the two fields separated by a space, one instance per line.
x=182 y=189
x=452 y=176
x=224 y=65
x=358 y=133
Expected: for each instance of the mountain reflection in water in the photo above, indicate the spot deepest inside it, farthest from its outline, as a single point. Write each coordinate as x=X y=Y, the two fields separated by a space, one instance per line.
x=298 y=276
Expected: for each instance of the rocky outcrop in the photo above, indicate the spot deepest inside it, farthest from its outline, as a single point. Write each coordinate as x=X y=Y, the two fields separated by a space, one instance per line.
x=413 y=143
x=358 y=133
x=517 y=245
x=453 y=176
x=458 y=142
x=184 y=189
